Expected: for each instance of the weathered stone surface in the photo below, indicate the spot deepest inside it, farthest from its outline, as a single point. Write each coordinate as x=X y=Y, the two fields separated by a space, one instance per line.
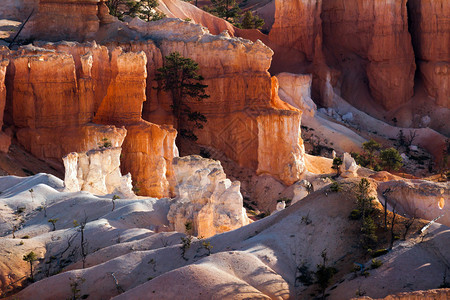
x=425 y=199
x=206 y=199
x=437 y=294
x=431 y=39
x=244 y=105
x=349 y=167
x=5 y=140
x=64 y=20
x=377 y=31
x=297 y=22
x=295 y=89
x=60 y=91
x=301 y=190
x=96 y=171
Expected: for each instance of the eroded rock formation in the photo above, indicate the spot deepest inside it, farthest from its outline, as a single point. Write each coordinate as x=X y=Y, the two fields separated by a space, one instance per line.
x=96 y=171
x=431 y=39
x=207 y=203
x=246 y=119
x=424 y=199
x=68 y=97
x=5 y=140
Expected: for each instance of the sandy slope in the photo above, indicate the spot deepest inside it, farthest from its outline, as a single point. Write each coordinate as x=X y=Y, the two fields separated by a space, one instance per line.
x=258 y=261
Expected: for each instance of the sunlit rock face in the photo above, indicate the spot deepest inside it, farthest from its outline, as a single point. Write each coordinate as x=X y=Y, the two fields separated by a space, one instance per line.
x=431 y=38
x=70 y=97
x=207 y=203
x=245 y=121
x=5 y=140
x=96 y=171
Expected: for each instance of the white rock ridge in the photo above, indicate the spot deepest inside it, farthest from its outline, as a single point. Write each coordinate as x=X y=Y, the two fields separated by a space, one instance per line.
x=207 y=203
x=96 y=171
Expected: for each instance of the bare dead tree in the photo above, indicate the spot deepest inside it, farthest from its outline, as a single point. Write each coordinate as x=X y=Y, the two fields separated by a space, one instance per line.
x=408 y=223
x=83 y=243
x=394 y=212
x=385 y=193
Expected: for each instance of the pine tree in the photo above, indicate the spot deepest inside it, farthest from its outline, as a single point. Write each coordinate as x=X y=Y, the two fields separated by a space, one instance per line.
x=251 y=21
x=30 y=258
x=391 y=159
x=226 y=9
x=179 y=76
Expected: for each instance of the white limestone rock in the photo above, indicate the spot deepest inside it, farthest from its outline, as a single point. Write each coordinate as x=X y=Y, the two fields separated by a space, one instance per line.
x=96 y=171
x=349 y=167
x=301 y=190
x=207 y=203
x=295 y=89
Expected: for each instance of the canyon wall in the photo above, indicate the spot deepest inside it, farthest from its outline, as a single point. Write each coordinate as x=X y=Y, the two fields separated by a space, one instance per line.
x=430 y=28
x=5 y=140
x=240 y=110
x=70 y=98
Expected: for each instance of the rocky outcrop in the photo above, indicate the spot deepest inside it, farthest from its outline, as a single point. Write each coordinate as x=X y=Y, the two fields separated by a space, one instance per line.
x=431 y=35
x=67 y=98
x=424 y=199
x=349 y=167
x=207 y=203
x=296 y=25
x=5 y=140
x=96 y=171
x=58 y=20
x=377 y=32
x=295 y=89
x=301 y=189
x=246 y=119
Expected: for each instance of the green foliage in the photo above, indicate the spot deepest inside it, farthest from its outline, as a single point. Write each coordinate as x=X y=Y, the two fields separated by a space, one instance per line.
x=25 y=237
x=305 y=275
x=53 y=222
x=324 y=274
x=335 y=187
x=355 y=214
x=179 y=76
x=189 y=227
x=75 y=288
x=105 y=143
x=144 y=9
x=365 y=207
x=368 y=237
x=376 y=263
x=379 y=252
x=337 y=162
x=207 y=246
x=30 y=258
x=20 y=209
x=226 y=9
x=250 y=21
x=391 y=159
x=370 y=148
x=185 y=245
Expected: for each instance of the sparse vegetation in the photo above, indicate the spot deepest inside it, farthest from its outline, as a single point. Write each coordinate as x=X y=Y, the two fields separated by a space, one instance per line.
x=143 y=9
x=335 y=187
x=30 y=258
x=180 y=77
x=53 y=222
x=391 y=159
x=113 y=199
x=324 y=274
x=81 y=227
x=376 y=263
x=207 y=246
x=105 y=143
x=75 y=287
x=185 y=245
x=337 y=162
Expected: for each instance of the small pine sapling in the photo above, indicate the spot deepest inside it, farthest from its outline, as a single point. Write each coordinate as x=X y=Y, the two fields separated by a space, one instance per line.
x=30 y=258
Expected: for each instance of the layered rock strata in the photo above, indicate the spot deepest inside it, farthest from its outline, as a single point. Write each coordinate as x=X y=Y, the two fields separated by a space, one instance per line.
x=96 y=171
x=207 y=203
x=5 y=140
x=68 y=97
x=246 y=119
